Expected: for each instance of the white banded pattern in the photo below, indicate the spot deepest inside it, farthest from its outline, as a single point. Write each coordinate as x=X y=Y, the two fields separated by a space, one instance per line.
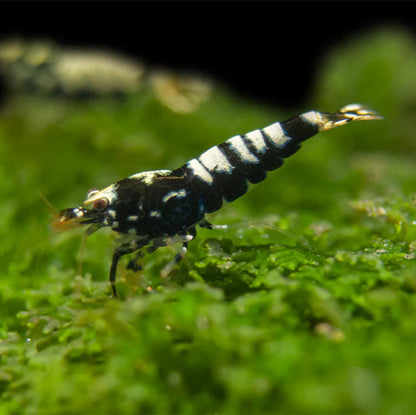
x=313 y=118
x=276 y=134
x=199 y=170
x=215 y=161
x=238 y=145
x=257 y=140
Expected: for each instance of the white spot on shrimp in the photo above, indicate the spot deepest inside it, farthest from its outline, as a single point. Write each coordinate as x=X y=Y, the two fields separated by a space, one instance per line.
x=175 y=193
x=155 y=214
x=147 y=177
x=132 y=218
x=78 y=212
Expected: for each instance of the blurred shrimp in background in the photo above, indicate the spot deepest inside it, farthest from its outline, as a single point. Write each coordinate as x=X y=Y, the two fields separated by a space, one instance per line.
x=43 y=67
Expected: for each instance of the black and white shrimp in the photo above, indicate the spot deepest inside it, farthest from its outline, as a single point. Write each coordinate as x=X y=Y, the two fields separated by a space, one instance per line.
x=156 y=208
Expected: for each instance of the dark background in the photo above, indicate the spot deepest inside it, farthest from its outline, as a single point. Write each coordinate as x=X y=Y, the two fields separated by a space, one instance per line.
x=265 y=50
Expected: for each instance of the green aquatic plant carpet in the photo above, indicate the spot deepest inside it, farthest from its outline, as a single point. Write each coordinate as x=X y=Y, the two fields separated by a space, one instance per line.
x=306 y=304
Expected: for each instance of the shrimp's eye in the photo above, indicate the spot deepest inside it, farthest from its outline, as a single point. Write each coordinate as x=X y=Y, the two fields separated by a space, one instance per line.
x=91 y=192
x=100 y=204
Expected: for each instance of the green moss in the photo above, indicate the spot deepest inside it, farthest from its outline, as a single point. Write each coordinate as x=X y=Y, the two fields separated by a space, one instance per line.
x=306 y=304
